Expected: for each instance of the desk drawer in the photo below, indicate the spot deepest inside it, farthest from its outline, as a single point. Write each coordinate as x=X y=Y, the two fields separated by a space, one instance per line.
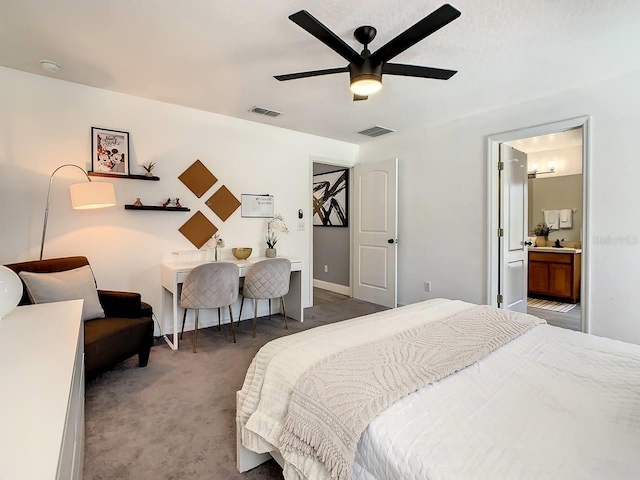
x=180 y=276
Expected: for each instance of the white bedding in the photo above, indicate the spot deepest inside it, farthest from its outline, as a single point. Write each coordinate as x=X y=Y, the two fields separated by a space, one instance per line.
x=550 y=404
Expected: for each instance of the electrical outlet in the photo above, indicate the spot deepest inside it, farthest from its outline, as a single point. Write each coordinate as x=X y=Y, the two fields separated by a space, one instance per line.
x=300 y=225
x=326 y=268
x=427 y=286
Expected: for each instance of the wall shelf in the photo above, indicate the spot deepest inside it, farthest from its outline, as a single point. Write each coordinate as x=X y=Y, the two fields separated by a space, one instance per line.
x=157 y=207
x=130 y=177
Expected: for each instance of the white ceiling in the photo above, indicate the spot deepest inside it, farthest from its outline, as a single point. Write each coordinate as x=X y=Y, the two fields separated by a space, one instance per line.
x=221 y=56
x=553 y=141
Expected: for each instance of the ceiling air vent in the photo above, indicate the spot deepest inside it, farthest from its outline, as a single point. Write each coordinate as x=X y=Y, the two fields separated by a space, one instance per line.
x=376 y=131
x=265 y=111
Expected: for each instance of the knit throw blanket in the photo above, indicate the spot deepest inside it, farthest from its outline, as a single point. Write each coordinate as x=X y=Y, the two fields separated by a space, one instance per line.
x=333 y=403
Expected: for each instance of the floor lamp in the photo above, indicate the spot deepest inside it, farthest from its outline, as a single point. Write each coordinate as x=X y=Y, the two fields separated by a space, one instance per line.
x=84 y=196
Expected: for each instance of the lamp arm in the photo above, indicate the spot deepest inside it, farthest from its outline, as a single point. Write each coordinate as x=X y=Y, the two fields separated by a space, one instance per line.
x=46 y=210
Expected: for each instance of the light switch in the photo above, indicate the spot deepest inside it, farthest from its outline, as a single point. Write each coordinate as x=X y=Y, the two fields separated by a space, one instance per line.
x=300 y=225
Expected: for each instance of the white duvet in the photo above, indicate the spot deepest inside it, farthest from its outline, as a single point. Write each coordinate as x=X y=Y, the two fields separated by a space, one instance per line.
x=551 y=404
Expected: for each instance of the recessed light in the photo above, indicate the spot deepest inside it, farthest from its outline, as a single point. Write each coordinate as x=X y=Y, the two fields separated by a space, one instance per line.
x=49 y=66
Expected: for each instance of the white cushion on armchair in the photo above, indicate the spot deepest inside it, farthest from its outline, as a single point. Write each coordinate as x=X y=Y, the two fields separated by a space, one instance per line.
x=74 y=284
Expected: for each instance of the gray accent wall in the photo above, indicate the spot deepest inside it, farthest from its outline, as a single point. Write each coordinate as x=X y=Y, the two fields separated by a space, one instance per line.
x=555 y=193
x=331 y=244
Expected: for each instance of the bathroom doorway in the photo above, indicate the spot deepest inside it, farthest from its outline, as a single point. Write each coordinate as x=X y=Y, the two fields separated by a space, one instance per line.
x=554 y=203
x=543 y=273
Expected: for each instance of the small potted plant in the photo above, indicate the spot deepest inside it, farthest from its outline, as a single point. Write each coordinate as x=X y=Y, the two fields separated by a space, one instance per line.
x=541 y=231
x=276 y=225
x=148 y=169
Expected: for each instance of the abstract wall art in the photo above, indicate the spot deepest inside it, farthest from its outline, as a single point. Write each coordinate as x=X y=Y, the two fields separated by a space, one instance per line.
x=330 y=199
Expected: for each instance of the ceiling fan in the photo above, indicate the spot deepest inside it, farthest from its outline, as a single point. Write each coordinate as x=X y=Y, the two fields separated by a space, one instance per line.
x=366 y=68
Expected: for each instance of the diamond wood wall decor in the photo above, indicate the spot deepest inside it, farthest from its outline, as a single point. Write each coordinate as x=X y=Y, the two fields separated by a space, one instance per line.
x=223 y=203
x=198 y=178
x=198 y=229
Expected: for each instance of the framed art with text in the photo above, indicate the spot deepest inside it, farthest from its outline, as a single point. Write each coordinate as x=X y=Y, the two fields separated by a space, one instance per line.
x=109 y=151
x=330 y=197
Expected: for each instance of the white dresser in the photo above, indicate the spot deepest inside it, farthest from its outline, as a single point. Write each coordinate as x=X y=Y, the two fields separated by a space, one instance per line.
x=42 y=392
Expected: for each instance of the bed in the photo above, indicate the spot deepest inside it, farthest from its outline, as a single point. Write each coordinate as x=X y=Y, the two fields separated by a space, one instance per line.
x=550 y=403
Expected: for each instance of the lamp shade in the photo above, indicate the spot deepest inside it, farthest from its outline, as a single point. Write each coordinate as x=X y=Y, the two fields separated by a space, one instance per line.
x=10 y=290
x=89 y=195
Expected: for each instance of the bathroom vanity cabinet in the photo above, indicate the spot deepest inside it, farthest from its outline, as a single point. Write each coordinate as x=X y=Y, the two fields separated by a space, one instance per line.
x=555 y=274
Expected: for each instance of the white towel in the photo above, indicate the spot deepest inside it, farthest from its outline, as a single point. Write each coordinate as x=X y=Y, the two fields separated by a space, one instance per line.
x=552 y=219
x=566 y=218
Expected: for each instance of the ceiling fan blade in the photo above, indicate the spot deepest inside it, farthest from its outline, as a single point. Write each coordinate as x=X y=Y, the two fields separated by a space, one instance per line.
x=416 y=71
x=305 y=20
x=425 y=27
x=313 y=73
x=357 y=98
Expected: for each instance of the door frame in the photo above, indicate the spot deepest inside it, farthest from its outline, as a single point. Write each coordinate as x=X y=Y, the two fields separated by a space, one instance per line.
x=493 y=149
x=342 y=164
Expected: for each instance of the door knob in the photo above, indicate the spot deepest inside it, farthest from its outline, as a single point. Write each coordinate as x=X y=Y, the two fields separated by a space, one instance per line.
x=391 y=240
x=528 y=244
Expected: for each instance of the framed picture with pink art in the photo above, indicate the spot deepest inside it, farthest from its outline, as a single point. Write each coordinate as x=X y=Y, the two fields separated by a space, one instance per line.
x=109 y=151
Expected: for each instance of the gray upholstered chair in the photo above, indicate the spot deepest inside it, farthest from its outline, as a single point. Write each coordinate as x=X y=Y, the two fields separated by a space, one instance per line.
x=212 y=285
x=266 y=280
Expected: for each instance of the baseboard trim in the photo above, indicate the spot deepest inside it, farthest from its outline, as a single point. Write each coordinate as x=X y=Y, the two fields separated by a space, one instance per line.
x=332 y=287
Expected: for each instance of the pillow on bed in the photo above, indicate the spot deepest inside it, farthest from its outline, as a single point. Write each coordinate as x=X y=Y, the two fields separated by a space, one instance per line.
x=74 y=284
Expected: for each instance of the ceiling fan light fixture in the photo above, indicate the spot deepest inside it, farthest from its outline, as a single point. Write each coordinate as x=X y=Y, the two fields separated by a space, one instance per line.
x=366 y=85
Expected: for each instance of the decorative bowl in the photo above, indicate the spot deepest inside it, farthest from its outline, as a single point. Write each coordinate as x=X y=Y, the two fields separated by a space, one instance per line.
x=241 y=253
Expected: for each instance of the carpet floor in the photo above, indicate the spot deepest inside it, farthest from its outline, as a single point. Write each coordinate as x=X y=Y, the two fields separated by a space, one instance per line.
x=175 y=419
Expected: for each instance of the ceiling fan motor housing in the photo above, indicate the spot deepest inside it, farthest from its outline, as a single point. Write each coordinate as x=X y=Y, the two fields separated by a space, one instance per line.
x=366 y=71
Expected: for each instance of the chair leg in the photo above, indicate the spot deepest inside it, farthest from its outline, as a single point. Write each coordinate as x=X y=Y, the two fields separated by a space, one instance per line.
x=240 y=315
x=195 y=332
x=184 y=319
x=218 y=318
x=284 y=312
x=143 y=357
x=255 y=315
x=233 y=331
x=269 y=309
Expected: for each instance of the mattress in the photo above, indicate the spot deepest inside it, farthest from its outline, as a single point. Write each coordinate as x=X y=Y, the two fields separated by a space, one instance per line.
x=550 y=404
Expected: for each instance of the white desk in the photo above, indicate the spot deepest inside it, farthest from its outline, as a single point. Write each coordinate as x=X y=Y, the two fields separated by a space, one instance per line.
x=42 y=400
x=174 y=273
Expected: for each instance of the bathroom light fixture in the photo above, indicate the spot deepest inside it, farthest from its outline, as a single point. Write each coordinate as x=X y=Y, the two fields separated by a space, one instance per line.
x=534 y=170
x=84 y=196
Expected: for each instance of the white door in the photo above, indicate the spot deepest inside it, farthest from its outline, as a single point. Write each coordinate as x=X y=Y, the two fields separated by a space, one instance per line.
x=514 y=222
x=375 y=207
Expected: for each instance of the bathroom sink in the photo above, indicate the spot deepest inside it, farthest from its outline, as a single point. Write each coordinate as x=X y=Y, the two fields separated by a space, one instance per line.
x=555 y=249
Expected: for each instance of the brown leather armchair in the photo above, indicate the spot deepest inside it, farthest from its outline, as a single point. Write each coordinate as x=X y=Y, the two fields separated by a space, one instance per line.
x=126 y=330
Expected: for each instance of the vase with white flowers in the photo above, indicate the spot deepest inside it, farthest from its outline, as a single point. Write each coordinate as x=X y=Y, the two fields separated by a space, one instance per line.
x=276 y=225
x=215 y=243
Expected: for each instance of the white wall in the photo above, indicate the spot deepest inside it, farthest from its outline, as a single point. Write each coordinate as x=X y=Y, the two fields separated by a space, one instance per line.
x=45 y=123
x=443 y=198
